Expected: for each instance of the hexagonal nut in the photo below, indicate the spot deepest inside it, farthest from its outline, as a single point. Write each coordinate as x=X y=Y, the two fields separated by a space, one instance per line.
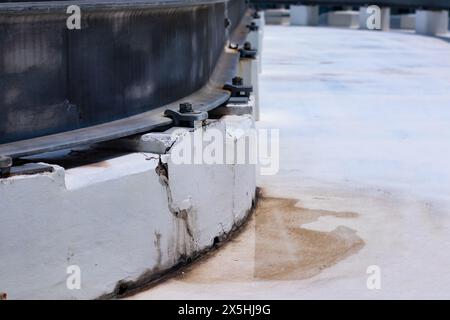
x=5 y=162
x=186 y=107
x=237 y=81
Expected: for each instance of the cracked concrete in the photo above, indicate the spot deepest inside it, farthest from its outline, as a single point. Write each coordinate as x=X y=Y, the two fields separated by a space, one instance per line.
x=124 y=219
x=364 y=174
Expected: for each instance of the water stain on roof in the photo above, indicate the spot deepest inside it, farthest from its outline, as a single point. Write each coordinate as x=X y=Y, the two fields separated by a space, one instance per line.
x=276 y=245
x=285 y=249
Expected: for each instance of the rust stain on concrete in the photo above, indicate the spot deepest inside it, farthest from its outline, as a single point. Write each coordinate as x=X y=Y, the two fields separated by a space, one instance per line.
x=101 y=164
x=276 y=245
x=286 y=250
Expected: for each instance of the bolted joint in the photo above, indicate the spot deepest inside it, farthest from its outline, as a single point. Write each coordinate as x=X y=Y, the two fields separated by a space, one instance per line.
x=252 y=26
x=237 y=81
x=239 y=93
x=186 y=116
x=186 y=107
x=227 y=23
x=247 y=52
x=5 y=166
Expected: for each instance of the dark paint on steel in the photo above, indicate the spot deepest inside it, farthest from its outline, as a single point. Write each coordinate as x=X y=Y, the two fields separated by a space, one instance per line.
x=114 y=77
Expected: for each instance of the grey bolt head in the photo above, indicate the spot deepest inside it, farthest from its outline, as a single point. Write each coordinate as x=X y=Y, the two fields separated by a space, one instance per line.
x=186 y=107
x=5 y=162
x=237 y=81
x=227 y=23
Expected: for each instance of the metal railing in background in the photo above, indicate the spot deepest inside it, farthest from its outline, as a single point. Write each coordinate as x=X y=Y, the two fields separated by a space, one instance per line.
x=410 y=4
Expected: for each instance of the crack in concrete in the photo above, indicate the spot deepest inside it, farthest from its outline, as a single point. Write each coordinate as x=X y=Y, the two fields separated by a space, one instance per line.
x=183 y=214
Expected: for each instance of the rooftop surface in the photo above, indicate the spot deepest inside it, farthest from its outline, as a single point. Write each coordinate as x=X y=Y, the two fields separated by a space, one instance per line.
x=364 y=174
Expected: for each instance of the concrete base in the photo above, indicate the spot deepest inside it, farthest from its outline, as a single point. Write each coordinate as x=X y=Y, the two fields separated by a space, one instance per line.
x=125 y=219
x=431 y=22
x=236 y=109
x=304 y=15
x=276 y=17
x=261 y=21
x=259 y=45
x=384 y=22
x=407 y=21
x=349 y=19
x=256 y=39
x=248 y=71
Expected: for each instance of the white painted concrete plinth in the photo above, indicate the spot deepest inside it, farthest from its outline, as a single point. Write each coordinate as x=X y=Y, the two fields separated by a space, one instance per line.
x=349 y=19
x=256 y=40
x=276 y=17
x=260 y=22
x=407 y=21
x=124 y=219
x=431 y=22
x=248 y=71
x=304 y=15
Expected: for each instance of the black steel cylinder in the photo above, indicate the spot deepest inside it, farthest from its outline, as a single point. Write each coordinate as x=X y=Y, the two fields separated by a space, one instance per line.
x=128 y=57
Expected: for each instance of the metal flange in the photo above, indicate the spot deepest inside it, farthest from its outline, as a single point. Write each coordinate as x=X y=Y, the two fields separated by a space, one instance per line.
x=5 y=166
x=186 y=116
x=239 y=92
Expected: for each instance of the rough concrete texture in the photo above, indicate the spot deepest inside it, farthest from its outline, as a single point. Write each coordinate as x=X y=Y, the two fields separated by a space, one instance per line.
x=260 y=22
x=248 y=71
x=304 y=15
x=407 y=21
x=126 y=218
x=363 y=179
x=432 y=22
x=349 y=19
x=277 y=17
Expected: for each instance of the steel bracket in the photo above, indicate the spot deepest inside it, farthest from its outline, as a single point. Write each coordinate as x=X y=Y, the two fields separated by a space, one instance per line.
x=239 y=92
x=252 y=26
x=5 y=166
x=186 y=116
x=7 y=169
x=247 y=52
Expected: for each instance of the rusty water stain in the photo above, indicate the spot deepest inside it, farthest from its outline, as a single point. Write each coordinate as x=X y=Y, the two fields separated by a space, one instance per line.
x=286 y=250
x=101 y=164
x=157 y=243
x=274 y=244
x=277 y=246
